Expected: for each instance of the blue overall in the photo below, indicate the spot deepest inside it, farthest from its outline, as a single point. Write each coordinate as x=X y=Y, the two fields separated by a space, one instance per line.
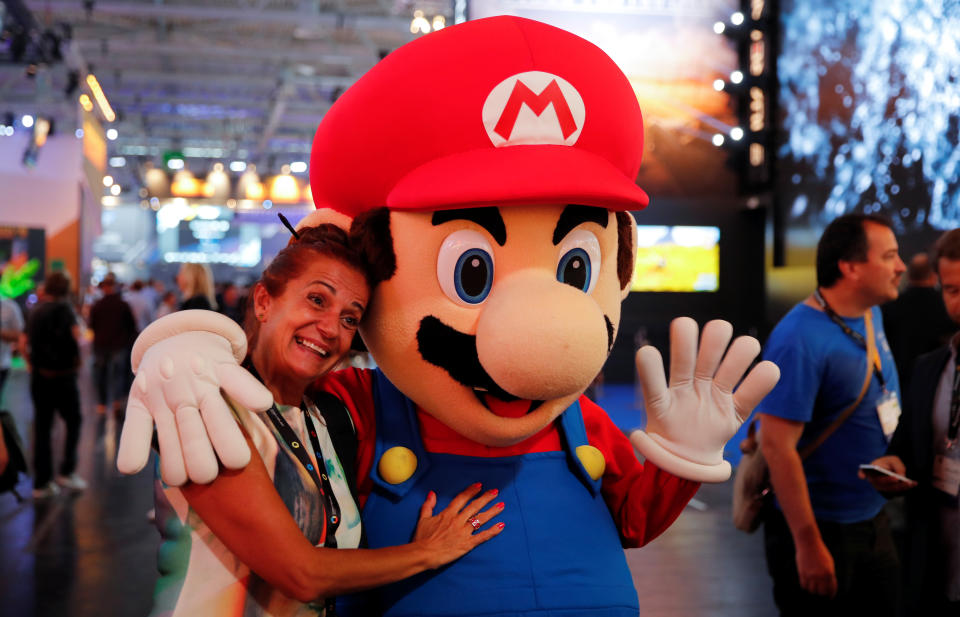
x=558 y=555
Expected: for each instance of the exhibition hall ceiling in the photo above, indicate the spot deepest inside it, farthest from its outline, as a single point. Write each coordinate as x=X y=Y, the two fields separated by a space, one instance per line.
x=248 y=79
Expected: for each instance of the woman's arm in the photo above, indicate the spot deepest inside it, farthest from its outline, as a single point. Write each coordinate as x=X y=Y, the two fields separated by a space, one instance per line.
x=244 y=510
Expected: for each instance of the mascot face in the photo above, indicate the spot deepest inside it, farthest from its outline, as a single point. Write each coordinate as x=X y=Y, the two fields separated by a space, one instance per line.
x=497 y=318
x=499 y=300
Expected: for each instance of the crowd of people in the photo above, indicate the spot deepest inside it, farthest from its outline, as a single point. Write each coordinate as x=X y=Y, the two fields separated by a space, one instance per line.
x=108 y=315
x=846 y=354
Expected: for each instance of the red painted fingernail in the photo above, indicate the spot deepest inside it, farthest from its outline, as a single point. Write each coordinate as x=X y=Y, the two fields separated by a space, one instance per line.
x=494 y=492
x=431 y=494
x=500 y=525
x=475 y=485
x=499 y=505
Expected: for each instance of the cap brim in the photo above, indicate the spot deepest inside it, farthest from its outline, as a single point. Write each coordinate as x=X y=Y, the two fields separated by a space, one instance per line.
x=517 y=175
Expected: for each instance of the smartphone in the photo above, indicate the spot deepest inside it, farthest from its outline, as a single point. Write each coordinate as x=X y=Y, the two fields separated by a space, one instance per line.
x=875 y=470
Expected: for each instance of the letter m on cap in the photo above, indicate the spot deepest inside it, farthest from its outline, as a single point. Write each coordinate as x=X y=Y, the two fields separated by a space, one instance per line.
x=522 y=95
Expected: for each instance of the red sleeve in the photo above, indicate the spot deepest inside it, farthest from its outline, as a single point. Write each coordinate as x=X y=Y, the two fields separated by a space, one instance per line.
x=354 y=387
x=643 y=499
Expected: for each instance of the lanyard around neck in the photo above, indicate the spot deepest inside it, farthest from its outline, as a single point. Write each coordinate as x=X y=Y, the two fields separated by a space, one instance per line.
x=856 y=336
x=330 y=508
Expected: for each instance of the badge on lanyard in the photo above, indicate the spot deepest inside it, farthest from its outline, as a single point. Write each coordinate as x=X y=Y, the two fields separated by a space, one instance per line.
x=888 y=410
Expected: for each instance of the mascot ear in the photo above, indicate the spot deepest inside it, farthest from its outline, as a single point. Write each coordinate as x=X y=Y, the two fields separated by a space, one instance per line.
x=626 y=251
x=325 y=215
x=371 y=232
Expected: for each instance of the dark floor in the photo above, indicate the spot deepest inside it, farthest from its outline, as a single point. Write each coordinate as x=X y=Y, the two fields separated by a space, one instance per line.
x=93 y=555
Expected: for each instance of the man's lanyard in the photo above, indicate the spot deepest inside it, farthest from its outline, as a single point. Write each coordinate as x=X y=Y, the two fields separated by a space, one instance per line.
x=859 y=338
x=328 y=501
x=954 y=425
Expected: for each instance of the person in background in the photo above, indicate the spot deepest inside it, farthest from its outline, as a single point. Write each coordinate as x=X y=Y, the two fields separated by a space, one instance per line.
x=53 y=335
x=140 y=304
x=232 y=303
x=196 y=287
x=11 y=329
x=916 y=322
x=168 y=304
x=829 y=547
x=925 y=449
x=114 y=329
x=152 y=292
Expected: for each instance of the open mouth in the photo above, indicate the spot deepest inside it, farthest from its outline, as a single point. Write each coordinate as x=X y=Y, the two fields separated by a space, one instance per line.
x=456 y=353
x=323 y=353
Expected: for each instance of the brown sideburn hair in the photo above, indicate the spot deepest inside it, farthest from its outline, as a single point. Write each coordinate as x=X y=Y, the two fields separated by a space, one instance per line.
x=326 y=240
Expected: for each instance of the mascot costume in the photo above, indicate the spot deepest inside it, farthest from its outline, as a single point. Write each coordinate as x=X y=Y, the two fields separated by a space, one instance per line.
x=490 y=167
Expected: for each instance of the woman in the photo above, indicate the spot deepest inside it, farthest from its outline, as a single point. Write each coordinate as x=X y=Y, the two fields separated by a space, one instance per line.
x=301 y=322
x=196 y=286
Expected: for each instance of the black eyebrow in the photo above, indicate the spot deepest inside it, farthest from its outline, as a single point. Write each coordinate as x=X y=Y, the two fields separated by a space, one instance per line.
x=575 y=214
x=488 y=218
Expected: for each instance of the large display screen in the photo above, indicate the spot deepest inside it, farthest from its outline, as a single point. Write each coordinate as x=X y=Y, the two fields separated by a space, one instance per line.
x=677 y=258
x=671 y=55
x=869 y=112
x=206 y=234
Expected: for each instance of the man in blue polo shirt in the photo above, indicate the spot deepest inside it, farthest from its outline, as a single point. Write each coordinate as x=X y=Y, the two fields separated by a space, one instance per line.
x=828 y=545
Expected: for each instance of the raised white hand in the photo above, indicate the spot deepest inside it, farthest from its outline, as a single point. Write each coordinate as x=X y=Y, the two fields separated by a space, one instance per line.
x=689 y=422
x=182 y=364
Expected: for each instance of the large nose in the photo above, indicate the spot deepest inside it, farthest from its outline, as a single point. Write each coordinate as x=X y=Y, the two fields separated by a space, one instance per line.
x=540 y=339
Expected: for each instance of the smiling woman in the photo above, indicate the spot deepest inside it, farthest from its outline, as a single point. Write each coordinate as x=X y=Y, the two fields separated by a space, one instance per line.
x=260 y=541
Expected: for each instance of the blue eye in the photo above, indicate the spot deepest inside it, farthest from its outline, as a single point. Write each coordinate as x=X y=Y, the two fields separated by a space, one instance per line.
x=473 y=275
x=574 y=269
x=465 y=267
x=578 y=264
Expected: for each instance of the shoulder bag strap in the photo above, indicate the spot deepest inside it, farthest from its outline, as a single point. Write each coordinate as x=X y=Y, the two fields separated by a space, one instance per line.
x=873 y=360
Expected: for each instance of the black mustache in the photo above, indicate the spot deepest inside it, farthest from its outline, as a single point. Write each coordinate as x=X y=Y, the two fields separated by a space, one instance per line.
x=456 y=353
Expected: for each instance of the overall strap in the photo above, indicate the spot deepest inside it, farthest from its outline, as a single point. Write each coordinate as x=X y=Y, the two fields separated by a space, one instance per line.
x=342 y=433
x=397 y=425
x=573 y=432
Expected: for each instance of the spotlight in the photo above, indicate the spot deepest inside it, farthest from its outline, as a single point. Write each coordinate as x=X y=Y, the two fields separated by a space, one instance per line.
x=175 y=164
x=237 y=166
x=737 y=18
x=719 y=27
x=736 y=77
x=736 y=133
x=27 y=121
x=298 y=167
x=112 y=134
x=718 y=140
x=718 y=85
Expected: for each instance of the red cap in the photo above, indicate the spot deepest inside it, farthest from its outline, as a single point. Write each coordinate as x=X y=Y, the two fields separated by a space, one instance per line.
x=498 y=111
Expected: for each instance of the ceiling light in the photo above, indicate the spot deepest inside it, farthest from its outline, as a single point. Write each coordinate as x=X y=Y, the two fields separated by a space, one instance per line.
x=108 y=181
x=237 y=166
x=298 y=167
x=117 y=161
x=718 y=140
x=115 y=189
x=175 y=164
x=719 y=27
x=112 y=134
x=737 y=18
x=736 y=77
x=27 y=121
x=736 y=133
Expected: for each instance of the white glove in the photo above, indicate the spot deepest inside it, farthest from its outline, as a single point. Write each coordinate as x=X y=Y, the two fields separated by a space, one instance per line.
x=182 y=361
x=689 y=423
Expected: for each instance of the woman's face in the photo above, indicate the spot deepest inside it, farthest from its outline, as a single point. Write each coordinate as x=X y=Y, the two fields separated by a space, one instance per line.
x=309 y=327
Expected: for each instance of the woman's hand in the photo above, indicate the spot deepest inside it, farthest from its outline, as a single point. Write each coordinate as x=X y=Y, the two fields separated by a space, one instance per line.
x=455 y=531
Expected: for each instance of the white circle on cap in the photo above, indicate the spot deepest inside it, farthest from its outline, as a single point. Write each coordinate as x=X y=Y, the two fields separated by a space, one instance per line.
x=534 y=108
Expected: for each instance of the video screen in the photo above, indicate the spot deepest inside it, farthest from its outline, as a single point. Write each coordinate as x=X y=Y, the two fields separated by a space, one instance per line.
x=671 y=55
x=679 y=258
x=869 y=113
x=206 y=234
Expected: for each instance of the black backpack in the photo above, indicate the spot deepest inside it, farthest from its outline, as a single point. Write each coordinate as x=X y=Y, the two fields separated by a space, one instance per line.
x=17 y=463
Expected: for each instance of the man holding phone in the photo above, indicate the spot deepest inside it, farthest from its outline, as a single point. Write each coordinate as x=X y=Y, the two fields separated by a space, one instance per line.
x=926 y=448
